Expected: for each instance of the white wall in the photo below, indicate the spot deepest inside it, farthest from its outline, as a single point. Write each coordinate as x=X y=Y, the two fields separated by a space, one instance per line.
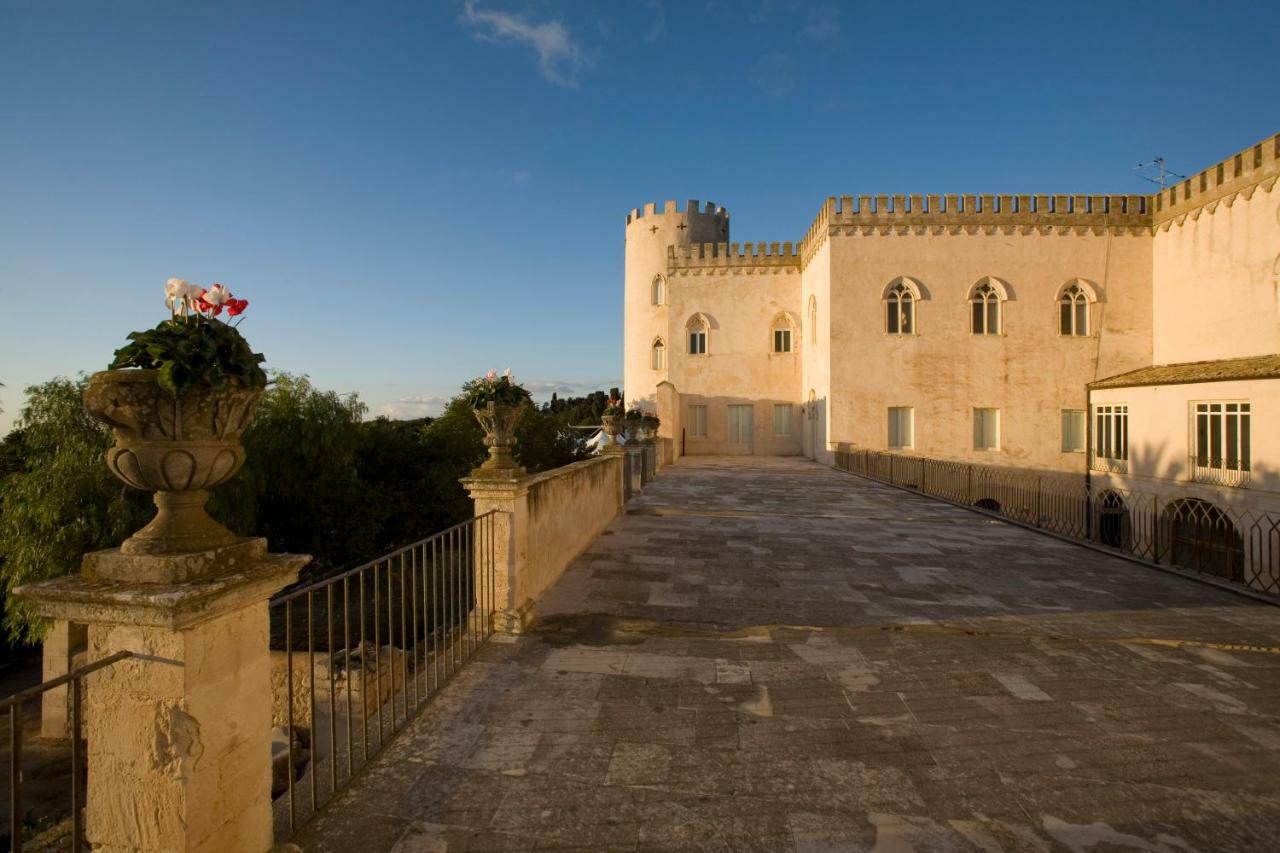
x=1160 y=439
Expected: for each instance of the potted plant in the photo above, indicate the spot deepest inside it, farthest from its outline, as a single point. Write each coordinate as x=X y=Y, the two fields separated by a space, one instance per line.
x=498 y=403
x=177 y=398
x=611 y=419
x=650 y=424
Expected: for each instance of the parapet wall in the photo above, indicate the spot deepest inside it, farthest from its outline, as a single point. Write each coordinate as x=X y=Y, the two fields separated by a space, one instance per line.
x=1010 y=212
x=748 y=257
x=692 y=208
x=1249 y=168
x=568 y=508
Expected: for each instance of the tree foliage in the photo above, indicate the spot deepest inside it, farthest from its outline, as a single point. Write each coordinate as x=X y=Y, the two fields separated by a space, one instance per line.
x=58 y=500
x=318 y=479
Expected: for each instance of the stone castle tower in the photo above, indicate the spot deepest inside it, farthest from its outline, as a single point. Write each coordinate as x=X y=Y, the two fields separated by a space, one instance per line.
x=649 y=234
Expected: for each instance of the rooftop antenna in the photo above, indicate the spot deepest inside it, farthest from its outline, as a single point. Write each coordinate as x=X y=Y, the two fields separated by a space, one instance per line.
x=1164 y=174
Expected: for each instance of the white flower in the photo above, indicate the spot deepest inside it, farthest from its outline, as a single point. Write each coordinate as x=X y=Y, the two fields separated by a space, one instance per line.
x=507 y=373
x=216 y=295
x=179 y=296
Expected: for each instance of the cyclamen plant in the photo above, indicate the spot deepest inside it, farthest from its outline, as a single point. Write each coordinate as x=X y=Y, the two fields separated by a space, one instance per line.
x=193 y=349
x=612 y=407
x=491 y=388
x=635 y=415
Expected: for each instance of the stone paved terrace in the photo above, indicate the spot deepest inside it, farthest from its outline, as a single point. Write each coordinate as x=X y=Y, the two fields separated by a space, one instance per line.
x=771 y=655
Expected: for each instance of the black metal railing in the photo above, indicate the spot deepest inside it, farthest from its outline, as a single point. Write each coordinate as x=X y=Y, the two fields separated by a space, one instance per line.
x=1231 y=544
x=69 y=831
x=363 y=651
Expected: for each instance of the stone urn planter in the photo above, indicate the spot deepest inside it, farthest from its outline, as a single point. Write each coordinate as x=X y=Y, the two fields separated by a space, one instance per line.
x=612 y=426
x=634 y=430
x=499 y=423
x=178 y=448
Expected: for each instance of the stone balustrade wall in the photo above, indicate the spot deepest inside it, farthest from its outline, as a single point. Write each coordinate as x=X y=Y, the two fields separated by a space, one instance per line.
x=567 y=509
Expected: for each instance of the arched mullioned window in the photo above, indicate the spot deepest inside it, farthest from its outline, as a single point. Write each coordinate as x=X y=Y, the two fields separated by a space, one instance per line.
x=813 y=320
x=658 y=354
x=900 y=300
x=782 y=333
x=697 y=329
x=658 y=291
x=985 y=300
x=1073 y=310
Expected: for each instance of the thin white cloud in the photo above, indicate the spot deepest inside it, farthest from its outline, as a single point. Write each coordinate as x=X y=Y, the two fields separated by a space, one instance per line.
x=544 y=388
x=559 y=56
x=774 y=74
x=658 y=28
x=419 y=406
x=823 y=24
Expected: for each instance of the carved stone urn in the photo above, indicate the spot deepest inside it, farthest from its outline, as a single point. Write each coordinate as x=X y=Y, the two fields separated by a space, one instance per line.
x=178 y=448
x=650 y=425
x=499 y=423
x=612 y=426
x=634 y=428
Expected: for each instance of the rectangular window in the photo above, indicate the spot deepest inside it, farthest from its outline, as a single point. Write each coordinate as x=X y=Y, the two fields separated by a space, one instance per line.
x=1111 y=437
x=986 y=429
x=782 y=340
x=901 y=427
x=1073 y=431
x=698 y=421
x=782 y=419
x=1221 y=441
x=697 y=343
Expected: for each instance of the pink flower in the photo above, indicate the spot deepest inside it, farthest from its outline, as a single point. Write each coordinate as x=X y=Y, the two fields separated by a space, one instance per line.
x=491 y=375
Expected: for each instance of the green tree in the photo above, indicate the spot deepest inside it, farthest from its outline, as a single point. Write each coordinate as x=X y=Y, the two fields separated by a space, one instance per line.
x=58 y=500
x=457 y=445
x=300 y=486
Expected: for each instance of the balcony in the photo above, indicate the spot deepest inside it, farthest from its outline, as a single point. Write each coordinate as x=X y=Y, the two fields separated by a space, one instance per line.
x=1108 y=464
x=1217 y=475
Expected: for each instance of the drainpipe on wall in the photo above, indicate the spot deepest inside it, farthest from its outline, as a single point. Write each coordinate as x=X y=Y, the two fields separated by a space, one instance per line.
x=1088 y=457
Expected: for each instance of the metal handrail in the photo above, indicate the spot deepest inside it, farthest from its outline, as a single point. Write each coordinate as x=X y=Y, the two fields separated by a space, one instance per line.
x=413 y=616
x=13 y=704
x=1236 y=547
x=288 y=594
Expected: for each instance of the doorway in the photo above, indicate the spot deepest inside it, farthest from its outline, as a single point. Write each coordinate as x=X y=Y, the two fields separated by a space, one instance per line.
x=741 y=429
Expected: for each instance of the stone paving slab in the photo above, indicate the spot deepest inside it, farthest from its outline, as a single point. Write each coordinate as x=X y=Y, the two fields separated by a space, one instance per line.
x=765 y=654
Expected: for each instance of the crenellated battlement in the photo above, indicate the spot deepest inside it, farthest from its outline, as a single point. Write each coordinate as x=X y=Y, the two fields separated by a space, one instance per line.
x=899 y=213
x=1250 y=167
x=691 y=209
x=726 y=257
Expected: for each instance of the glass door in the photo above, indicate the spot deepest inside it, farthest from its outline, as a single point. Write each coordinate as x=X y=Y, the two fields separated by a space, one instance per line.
x=741 y=429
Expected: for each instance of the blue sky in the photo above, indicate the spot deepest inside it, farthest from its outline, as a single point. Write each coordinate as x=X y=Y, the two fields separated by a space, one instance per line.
x=412 y=194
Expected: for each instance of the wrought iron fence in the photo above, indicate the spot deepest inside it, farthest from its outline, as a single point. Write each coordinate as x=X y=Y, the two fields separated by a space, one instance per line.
x=1239 y=546
x=356 y=655
x=53 y=834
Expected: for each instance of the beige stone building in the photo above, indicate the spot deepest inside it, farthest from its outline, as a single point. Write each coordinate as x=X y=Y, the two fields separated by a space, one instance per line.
x=1118 y=334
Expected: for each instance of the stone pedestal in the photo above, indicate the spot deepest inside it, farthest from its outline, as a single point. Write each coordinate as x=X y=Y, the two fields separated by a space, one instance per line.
x=178 y=736
x=508 y=499
x=635 y=467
